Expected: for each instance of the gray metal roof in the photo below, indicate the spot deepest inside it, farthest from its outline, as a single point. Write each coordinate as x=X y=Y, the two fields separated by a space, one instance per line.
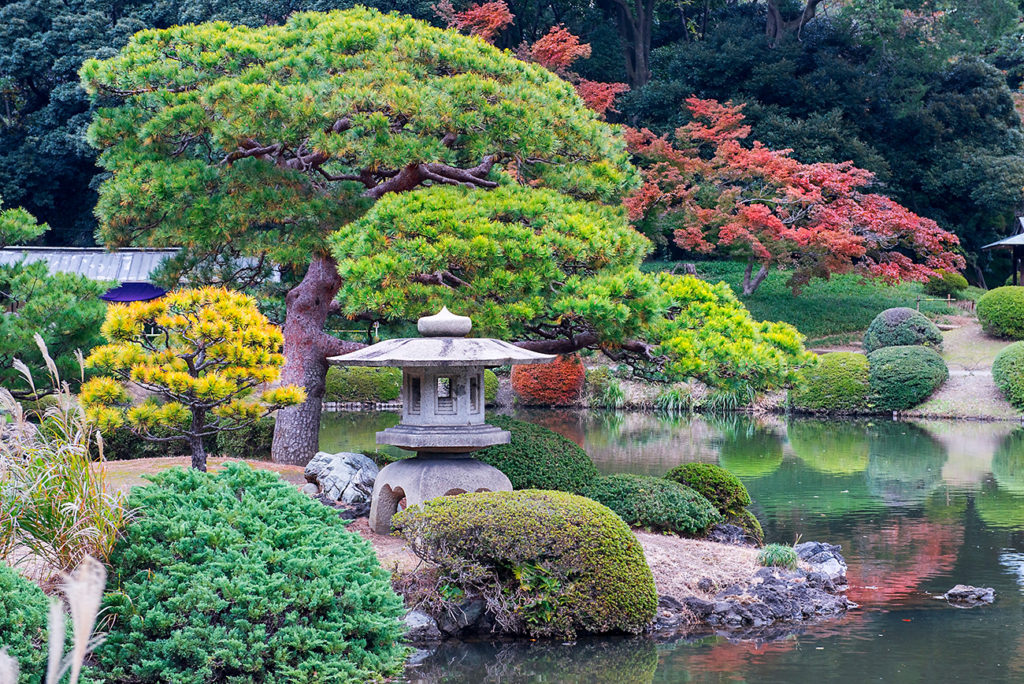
x=96 y=263
x=1012 y=241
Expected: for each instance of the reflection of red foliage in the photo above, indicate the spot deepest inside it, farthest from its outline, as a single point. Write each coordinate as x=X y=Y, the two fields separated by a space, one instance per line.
x=565 y=423
x=552 y=384
x=899 y=557
x=814 y=218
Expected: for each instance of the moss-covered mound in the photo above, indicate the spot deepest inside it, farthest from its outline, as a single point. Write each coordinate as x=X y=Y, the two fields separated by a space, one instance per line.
x=903 y=377
x=716 y=484
x=538 y=458
x=23 y=612
x=547 y=563
x=900 y=327
x=358 y=383
x=654 y=503
x=1001 y=312
x=1008 y=373
x=238 y=577
x=838 y=383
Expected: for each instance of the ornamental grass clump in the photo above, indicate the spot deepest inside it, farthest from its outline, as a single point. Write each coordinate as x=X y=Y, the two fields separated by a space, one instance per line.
x=238 y=577
x=778 y=556
x=654 y=503
x=546 y=563
x=538 y=458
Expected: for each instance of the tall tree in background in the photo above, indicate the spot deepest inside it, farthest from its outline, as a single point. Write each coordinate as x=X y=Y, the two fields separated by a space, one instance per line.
x=766 y=208
x=267 y=140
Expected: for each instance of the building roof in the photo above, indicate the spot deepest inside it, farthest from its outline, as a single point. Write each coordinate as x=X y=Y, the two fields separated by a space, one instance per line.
x=1012 y=241
x=95 y=263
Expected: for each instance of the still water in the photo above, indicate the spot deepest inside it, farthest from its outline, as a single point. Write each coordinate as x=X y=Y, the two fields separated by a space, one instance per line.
x=917 y=507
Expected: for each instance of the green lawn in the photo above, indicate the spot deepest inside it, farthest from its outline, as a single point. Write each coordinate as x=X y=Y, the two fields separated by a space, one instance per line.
x=840 y=307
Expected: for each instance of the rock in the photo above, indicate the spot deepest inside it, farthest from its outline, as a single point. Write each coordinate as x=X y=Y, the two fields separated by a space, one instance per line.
x=345 y=477
x=353 y=511
x=421 y=628
x=707 y=585
x=968 y=596
x=310 y=489
x=467 y=615
x=731 y=534
x=824 y=559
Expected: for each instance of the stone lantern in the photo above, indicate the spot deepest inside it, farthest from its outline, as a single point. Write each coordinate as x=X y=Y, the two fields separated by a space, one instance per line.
x=442 y=413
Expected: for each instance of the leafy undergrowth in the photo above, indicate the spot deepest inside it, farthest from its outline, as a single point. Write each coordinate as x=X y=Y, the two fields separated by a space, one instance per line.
x=837 y=307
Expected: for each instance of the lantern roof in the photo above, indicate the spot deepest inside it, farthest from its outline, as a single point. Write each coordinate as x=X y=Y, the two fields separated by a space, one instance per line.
x=443 y=344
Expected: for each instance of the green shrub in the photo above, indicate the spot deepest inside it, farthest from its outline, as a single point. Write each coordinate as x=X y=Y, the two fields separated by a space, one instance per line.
x=716 y=484
x=603 y=389
x=1001 y=312
x=749 y=523
x=538 y=458
x=903 y=377
x=901 y=327
x=945 y=283
x=251 y=442
x=23 y=612
x=490 y=387
x=238 y=577
x=654 y=503
x=547 y=563
x=839 y=382
x=778 y=556
x=121 y=444
x=358 y=383
x=675 y=399
x=1008 y=373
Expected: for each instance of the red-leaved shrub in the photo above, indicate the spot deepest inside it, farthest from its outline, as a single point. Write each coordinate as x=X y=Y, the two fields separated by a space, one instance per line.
x=559 y=383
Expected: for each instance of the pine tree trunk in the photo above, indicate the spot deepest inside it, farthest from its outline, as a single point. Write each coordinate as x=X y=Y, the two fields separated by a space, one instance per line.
x=306 y=348
x=195 y=442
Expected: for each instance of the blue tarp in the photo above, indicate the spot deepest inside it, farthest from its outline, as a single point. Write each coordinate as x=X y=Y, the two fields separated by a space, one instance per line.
x=133 y=292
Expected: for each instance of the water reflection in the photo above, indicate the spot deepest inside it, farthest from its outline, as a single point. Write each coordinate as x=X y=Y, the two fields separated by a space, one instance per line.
x=916 y=506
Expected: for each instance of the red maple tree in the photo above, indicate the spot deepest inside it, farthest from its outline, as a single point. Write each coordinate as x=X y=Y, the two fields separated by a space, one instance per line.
x=555 y=50
x=765 y=207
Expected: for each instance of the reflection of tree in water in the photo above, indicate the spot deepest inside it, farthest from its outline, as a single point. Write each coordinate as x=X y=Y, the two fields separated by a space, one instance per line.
x=356 y=431
x=1008 y=462
x=905 y=462
x=1000 y=508
x=626 y=660
x=748 y=448
x=832 y=447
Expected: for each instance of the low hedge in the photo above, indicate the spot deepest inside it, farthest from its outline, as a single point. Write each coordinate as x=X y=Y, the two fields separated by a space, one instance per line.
x=900 y=327
x=250 y=442
x=1001 y=312
x=716 y=484
x=238 y=577
x=538 y=458
x=654 y=503
x=559 y=383
x=1008 y=373
x=121 y=444
x=358 y=383
x=490 y=387
x=945 y=283
x=23 y=612
x=903 y=377
x=547 y=563
x=839 y=383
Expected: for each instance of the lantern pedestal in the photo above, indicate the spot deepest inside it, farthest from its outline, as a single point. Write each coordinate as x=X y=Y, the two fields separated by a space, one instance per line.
x=423 y=478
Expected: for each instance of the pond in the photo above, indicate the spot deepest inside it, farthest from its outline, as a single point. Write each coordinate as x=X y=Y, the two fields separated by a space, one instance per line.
x=917 y=507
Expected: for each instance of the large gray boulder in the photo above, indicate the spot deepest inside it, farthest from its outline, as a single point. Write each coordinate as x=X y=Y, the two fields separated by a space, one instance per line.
x=345 y=477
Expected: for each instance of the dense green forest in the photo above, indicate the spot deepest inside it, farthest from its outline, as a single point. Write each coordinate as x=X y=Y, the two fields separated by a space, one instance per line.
x=922 y=94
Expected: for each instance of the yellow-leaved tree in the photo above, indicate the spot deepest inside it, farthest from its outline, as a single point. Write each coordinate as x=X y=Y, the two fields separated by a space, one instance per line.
x=202 y=354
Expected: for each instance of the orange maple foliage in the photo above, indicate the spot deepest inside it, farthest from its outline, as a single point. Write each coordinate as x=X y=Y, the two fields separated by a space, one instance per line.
x=600 y=96
x=763 y=205
x=485 y=20
x=558 y=48
x=559 y=383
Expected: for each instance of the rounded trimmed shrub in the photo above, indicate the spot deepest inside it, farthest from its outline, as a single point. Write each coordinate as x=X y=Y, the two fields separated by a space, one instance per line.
x=559 y=383
x=654 y=503
x=538 y=458
x=901 y=327
x=237 y=576
x=945 y=283
x=749 y=523
x=251 y=442
x=903 y=377
x=548 y=563
x=716 y=484
x=358 y=383
x=778 y=556
x=1001 y=312
x=839 y=383
x=1008 y=373
x=490 y=387
x=23 y=612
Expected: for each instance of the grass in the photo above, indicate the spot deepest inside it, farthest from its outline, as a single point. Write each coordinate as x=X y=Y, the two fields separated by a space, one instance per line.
x=838 y=308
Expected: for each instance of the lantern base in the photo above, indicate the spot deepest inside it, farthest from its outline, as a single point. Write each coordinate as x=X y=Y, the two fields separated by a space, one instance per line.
x=420 y=479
